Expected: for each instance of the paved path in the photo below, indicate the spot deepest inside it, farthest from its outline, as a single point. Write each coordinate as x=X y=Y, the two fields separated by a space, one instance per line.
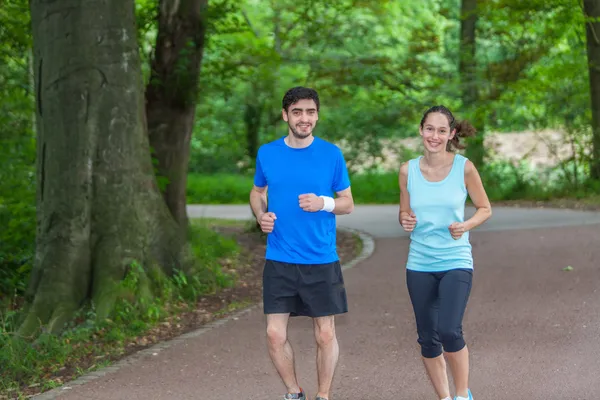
x=381 y=220
x=532 y=328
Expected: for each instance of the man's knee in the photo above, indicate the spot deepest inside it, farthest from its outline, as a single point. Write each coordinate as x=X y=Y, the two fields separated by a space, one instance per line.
x=325 y=332
x=325 y=336
x=276 y=335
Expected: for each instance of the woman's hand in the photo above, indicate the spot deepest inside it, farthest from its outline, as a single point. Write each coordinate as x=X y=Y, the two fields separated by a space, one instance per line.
x=457 y=229
x=408 y=221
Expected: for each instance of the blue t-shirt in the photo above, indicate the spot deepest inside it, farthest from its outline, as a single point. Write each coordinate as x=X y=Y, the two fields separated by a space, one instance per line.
x=437 y=205
x=301 y=237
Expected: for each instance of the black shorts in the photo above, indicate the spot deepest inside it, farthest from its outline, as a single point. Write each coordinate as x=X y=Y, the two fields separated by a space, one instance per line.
x=312 y=290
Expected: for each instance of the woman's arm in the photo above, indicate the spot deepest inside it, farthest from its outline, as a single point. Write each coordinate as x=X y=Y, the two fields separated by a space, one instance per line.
x=406 y=217
x=478 y=197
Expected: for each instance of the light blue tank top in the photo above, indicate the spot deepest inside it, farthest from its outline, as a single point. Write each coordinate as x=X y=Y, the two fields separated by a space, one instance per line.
x=436 y=206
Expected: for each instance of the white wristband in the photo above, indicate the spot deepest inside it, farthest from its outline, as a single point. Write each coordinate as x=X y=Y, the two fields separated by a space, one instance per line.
x=328 y=203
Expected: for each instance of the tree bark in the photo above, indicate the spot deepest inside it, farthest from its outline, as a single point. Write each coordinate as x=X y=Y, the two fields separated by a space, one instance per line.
x=591 y=8
x=468 y=77
x=171 y=95
x=98 y=205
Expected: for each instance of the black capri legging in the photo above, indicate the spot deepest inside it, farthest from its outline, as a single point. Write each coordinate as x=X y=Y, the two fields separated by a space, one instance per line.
x=439 y=301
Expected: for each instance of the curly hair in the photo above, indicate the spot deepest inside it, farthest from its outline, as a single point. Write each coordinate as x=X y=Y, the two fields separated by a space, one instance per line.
x=298 y=93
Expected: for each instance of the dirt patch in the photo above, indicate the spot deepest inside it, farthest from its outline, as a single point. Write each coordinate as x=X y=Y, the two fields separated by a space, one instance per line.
x=541 y=149
x=247 y=291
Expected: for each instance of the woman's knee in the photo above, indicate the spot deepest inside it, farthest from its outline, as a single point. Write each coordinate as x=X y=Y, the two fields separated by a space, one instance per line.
x=452 y=339
x=430 y=348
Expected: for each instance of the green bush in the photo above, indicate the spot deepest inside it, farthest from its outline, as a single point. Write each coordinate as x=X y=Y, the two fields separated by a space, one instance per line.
x=375 y=188
x=502 y=181
x=235 y=189
x=17 y=201
x=218 y=189
x=17 y=151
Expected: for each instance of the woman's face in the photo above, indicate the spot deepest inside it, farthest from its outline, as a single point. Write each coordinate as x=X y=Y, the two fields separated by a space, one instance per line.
x=436 y=132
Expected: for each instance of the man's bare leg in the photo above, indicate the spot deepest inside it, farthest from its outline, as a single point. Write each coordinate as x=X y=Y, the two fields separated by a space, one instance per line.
x=281 y=351
x=327 y=353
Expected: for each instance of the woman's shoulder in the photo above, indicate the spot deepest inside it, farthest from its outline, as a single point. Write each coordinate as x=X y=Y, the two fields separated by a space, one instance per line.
x=461 y=158
x=467 y=165
x=405 y=166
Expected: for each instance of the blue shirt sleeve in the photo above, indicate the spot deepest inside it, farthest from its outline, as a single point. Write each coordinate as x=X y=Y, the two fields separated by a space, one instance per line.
x=341 y=180
x=259 y=176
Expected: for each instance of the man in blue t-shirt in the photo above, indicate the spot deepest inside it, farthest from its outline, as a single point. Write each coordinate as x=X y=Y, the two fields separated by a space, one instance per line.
x=302 y=274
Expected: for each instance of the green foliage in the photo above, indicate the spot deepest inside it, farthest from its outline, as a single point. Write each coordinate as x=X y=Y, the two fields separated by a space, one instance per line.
x=146 y=300
x=502 y=180
x=370 y=188
x=374 y=75
x=218 y=189
x=378 y=66
x=544 y=44
x=17 y=149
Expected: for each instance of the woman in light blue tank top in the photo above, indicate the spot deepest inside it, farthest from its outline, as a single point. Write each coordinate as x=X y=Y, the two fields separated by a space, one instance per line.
x=439 y=269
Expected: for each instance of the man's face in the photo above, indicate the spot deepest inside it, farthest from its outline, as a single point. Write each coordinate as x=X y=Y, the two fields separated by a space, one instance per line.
x=301 y=117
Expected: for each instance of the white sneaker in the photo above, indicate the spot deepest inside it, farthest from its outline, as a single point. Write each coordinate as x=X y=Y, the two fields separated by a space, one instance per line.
x=465 y=398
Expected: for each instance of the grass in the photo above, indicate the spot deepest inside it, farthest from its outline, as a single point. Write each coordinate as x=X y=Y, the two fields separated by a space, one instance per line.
x=88 y=344
x=359 y=244
x=218 y=189
x=502 y=183
x=235 y=189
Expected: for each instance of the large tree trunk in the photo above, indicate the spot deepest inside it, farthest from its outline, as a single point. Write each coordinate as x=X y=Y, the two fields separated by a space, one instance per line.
x=171 y=94
x=468 y=78
x=591 y=9
x=98 y=205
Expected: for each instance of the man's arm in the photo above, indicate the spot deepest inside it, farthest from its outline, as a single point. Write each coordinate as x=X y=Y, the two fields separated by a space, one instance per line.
x=344 y=203
x=258 y=201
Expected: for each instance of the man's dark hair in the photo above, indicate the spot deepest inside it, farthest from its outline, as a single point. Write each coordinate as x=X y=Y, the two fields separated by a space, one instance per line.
x=299 y=93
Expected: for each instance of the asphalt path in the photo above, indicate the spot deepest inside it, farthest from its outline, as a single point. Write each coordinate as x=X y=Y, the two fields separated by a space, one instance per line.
x=532 y=327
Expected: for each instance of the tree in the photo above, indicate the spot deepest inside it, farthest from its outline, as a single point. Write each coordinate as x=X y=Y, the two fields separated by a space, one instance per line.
x=172 y=92
x=376 y=76
x=99 y=209
x=468 y=77
x=591 y=9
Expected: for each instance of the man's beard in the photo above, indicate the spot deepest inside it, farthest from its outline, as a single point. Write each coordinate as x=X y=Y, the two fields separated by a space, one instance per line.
x=299 y=135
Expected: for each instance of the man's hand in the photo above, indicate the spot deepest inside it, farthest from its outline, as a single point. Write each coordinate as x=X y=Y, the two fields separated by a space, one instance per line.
x=456 y=230
x=408 y=221
x=310 y=202
x=267 y=222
